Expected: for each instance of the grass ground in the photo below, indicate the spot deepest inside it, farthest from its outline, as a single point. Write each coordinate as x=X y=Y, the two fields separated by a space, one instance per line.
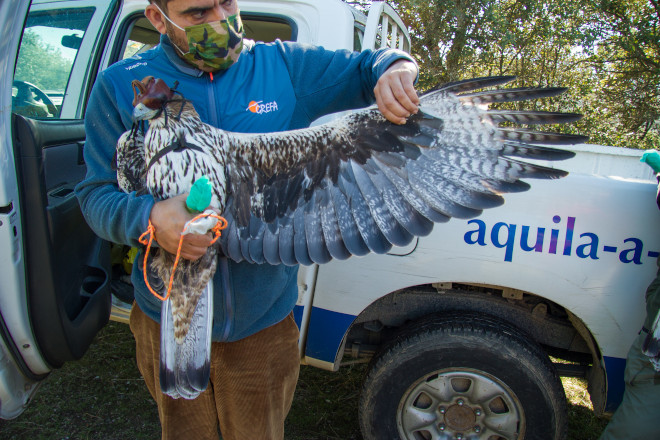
x=103 y=397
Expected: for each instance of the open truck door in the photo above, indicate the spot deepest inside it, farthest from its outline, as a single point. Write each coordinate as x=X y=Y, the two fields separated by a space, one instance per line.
x=55 y=290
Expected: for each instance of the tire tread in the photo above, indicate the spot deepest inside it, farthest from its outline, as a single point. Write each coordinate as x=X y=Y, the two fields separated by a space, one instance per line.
x=472 y=329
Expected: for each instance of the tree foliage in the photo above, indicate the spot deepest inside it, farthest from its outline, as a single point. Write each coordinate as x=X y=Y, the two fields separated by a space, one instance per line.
x=628 y=63
x=607 y=52
x=42 y=64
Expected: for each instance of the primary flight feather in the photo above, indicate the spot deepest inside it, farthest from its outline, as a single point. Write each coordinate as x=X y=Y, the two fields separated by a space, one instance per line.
x=356 y=185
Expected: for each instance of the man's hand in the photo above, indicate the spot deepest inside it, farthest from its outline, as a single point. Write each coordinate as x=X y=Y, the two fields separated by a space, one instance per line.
x=169 y=218
x=395 y=92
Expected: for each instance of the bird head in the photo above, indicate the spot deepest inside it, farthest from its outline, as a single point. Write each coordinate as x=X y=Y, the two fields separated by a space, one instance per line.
x=150 y=97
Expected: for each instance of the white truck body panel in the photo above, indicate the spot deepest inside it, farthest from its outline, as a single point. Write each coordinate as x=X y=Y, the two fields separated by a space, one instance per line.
x=589 y=288
x=598 y=255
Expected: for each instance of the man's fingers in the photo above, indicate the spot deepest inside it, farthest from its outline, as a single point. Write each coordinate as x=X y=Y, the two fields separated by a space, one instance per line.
x=198 y=240
x=390 y=107
x=194 y=246
x=395 y=104
x=395 y=92
x=405 y=93
x=169 y=218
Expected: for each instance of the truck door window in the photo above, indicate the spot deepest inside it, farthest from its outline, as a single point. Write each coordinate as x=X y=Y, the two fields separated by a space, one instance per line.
x=49 y=47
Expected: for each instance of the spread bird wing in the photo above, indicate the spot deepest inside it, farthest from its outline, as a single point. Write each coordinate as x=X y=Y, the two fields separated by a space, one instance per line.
x=362 y=184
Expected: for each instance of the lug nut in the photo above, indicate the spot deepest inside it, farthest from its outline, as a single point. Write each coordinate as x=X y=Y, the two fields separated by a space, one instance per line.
x=477 y=429
x=460 y=402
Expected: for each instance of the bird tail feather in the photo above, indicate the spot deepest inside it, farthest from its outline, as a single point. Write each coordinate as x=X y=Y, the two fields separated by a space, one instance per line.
x=185 y=368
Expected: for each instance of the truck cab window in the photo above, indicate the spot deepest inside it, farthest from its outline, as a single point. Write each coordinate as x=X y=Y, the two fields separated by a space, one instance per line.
x=49 y=47
x=143 y=36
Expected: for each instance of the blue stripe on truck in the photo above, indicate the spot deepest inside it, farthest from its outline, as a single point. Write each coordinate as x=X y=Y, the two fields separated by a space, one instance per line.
x=325 y=334
x=614 y=368
x=298 y=314
x=327 y=329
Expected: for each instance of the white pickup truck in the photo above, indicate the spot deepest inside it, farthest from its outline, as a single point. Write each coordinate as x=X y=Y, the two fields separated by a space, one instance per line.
x=467 y=330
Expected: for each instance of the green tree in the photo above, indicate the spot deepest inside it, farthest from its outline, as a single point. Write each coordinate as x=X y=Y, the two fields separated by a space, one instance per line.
x=42 y=64
x=605 y=51
x=454 y=37
x=628 y=63
x=533 y=40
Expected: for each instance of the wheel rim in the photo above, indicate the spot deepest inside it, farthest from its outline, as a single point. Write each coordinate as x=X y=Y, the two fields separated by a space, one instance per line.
x=464 y=404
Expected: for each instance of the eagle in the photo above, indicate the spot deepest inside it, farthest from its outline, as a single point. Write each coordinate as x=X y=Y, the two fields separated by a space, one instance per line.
x=349 y=187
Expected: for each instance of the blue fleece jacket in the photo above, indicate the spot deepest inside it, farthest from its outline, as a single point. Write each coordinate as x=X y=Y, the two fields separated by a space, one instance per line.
x=273 y=87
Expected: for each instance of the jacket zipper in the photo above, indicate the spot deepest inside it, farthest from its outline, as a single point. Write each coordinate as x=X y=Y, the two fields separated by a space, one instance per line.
x=224 y=264
x=226 y=291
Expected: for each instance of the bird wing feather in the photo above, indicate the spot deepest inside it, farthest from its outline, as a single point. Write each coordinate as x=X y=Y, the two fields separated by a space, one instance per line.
x=362 y=184
x=130 y=163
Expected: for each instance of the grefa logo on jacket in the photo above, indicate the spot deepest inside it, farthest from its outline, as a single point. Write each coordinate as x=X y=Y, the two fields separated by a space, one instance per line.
x=259 y=107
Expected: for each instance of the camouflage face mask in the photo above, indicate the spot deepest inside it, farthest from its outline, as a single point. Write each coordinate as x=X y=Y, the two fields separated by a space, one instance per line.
x=213 y=46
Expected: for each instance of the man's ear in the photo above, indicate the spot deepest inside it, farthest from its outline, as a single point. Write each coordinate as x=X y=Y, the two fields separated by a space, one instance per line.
x=156 y=18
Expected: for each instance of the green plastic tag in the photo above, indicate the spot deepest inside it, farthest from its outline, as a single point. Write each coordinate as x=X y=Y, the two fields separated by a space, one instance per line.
x=200 y=195
x=652 y=159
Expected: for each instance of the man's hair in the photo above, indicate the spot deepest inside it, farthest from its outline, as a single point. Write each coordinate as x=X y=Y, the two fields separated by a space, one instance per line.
x=162 y=4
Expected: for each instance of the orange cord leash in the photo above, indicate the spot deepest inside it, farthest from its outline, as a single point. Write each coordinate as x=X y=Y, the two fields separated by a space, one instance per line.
x=150 y=232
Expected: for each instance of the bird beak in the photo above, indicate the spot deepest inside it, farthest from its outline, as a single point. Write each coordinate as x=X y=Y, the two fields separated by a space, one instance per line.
x=142 y=112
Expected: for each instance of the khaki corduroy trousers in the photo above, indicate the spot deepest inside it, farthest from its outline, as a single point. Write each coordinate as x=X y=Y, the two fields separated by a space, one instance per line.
x=250 y=391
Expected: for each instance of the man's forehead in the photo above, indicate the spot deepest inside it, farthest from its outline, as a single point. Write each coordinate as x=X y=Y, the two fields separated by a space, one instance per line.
x=184 y=6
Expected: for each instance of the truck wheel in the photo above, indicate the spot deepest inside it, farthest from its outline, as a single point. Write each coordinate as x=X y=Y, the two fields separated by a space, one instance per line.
x=462 y=376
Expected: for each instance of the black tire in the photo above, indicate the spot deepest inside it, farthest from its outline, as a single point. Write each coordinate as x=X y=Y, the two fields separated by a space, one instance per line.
x=462 y=376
